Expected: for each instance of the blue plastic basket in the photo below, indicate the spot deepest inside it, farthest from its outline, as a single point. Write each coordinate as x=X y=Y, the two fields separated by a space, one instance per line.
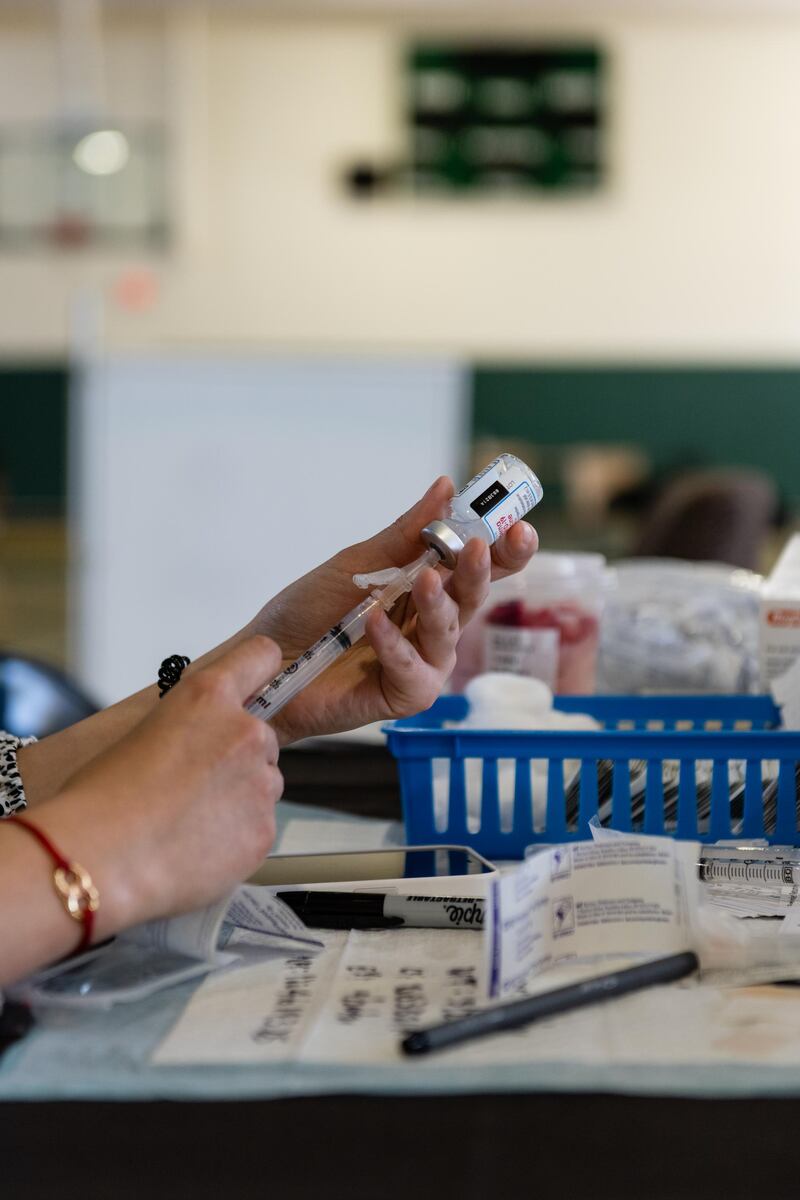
x=654 y=729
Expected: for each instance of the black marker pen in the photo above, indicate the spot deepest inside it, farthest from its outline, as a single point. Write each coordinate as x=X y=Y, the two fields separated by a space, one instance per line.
x=379 y=910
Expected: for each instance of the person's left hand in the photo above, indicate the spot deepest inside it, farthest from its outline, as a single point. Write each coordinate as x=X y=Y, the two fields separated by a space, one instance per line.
x=403 y=663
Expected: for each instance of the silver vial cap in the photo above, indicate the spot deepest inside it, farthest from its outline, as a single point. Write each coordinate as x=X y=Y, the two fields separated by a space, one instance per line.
x=441 y=537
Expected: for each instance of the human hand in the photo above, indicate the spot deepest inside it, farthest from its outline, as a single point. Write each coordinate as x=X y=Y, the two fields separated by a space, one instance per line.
x=405 y=660
x=182 y=808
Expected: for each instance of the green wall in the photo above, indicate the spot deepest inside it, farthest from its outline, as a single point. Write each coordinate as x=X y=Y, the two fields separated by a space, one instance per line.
x=716 y=416
x=694 y=415
x=33 y=438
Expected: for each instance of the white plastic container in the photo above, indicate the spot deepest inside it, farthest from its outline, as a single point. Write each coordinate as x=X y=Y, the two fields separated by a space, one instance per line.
x=543 y=623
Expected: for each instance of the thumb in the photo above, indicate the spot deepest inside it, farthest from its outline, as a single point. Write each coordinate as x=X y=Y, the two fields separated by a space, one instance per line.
x=400 y=541
x=248 y=666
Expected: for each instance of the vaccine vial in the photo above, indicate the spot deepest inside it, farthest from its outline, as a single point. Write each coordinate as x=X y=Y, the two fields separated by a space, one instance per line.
x=489 y=505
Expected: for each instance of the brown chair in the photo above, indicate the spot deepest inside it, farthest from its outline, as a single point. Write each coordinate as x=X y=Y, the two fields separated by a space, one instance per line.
x=711 y=516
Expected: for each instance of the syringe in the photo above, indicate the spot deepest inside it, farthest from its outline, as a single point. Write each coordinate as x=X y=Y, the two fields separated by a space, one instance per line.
x=336 y=641
x=756 y=867
x=486 y=508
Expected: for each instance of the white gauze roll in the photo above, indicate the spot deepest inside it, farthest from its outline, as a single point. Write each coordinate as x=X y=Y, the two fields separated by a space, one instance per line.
x=505 y=701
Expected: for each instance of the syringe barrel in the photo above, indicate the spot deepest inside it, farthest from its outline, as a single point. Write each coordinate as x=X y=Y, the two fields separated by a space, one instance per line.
x=292 y=679
x=752 y=868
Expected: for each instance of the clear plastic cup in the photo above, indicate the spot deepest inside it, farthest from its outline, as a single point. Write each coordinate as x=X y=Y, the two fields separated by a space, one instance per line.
x=544 y=623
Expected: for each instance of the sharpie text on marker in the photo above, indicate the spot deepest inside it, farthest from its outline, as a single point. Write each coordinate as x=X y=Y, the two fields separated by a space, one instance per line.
x=379 y=910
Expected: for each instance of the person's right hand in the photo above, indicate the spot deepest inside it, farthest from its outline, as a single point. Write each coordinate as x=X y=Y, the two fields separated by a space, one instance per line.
x=182 y=808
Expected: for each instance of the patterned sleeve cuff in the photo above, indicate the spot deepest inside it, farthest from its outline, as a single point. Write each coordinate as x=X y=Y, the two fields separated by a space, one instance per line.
x=12 y=793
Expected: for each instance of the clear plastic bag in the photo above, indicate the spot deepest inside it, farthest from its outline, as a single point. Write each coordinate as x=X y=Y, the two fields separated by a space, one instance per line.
x=675 y=626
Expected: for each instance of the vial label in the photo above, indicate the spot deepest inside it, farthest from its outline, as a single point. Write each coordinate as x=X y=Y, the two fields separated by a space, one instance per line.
x=489 y=498
x=511 y=509
x=500 y=495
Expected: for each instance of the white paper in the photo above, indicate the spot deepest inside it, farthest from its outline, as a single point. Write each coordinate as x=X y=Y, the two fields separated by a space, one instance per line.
x=257 y=1013
x=197 y=934
x=621 y=897
x=193 y=934
x=791 y=922
x=752 y=902
x=391 y=982
x=259 y=918
x=351 y=1004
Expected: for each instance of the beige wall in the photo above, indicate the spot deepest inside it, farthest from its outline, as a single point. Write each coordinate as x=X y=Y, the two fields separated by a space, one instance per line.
x=693 y=250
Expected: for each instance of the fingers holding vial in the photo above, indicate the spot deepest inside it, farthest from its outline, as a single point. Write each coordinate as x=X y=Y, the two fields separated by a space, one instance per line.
x=415 y=667
x=514 y=551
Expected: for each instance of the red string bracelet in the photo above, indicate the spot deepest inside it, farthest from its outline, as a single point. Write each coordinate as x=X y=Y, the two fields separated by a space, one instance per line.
x=72 y=882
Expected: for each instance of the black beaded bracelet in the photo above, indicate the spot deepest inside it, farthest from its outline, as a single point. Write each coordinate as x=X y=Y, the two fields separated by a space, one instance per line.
x=170 y=672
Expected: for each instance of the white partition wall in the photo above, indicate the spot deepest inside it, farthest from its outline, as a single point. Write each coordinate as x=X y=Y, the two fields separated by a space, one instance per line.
x=201 y=486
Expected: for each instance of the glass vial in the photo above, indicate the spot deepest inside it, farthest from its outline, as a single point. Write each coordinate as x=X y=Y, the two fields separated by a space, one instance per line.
x=486 y=508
